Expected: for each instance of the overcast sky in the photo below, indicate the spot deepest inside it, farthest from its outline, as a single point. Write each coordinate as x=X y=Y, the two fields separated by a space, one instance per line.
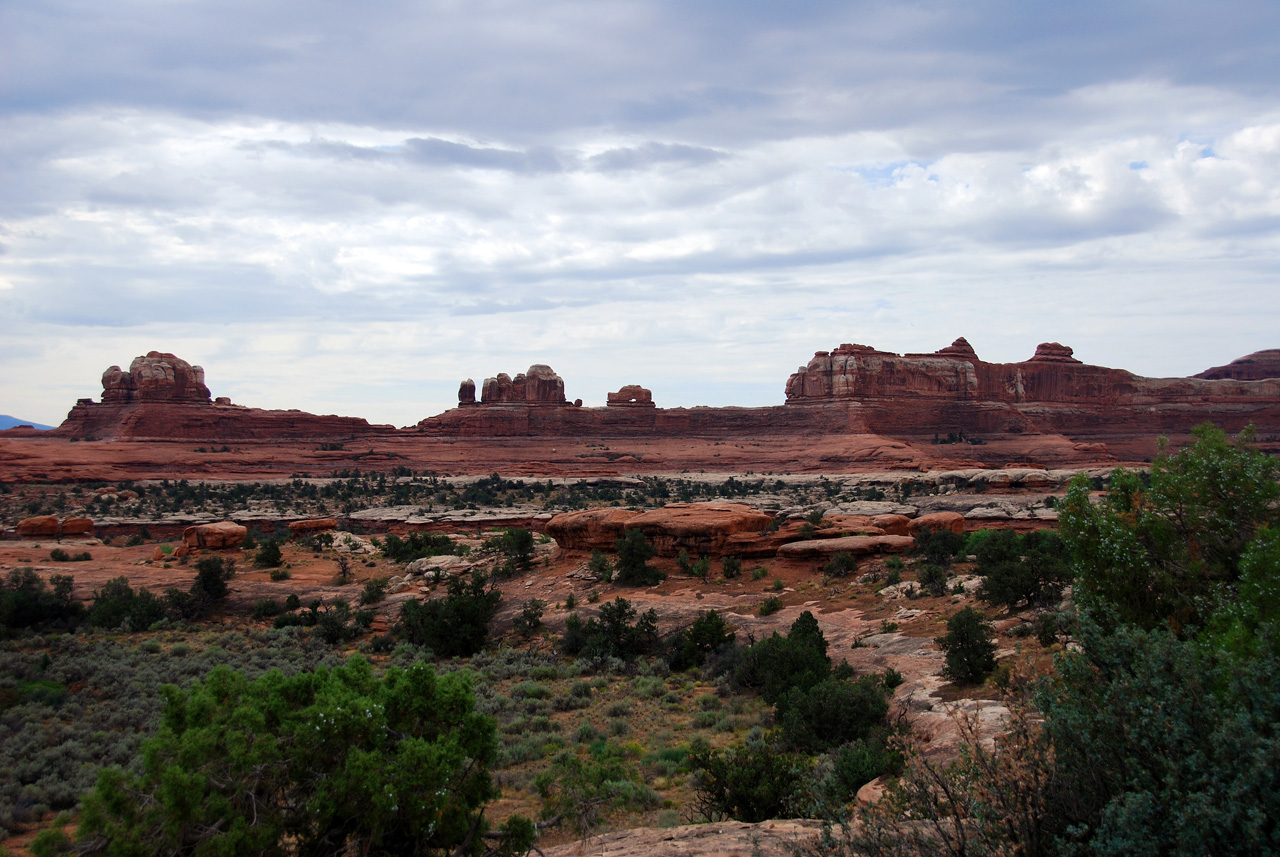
x=348 y=208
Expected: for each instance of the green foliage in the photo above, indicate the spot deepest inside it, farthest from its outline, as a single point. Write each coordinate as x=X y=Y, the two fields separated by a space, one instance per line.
x=269 y=555
x=209 y=588
x=279 y=574
x=26 y=601
x=117 y=605
x=751 y=782
x=332 y=761
x=584 y=789
x=375 y=590
x=1163 y=555
x=708 y=635
x=933 y=579
x=516 y=545
x=59 y=555
x=600 y=565
x=530 y=618
x=832 y=712
x=769 y=606
x=634 y=553
x=731 y=566
x=970 y=651
x=416 y=546
x=938 y=547
x=1163 y=746
x=1030 y=569
x=618 y=632
x=840 y=565
x=777 y=664
x=457 y=624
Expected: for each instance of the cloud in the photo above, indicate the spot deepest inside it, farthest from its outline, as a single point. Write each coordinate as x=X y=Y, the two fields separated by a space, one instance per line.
x=692 y=196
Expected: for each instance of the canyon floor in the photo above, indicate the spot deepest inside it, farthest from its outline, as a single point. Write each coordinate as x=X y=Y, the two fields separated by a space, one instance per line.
x=142 y=495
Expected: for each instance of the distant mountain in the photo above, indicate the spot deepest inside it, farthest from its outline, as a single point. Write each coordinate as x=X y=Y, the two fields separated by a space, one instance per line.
x=8 y=422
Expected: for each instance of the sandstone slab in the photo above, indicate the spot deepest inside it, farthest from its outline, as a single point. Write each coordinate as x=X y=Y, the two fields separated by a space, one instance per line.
x=39 y=526
x=853 y=545
x=224 y=534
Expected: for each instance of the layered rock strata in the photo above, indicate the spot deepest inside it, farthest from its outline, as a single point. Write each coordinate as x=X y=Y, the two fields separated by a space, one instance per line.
x=163 y=397
x=952 y=390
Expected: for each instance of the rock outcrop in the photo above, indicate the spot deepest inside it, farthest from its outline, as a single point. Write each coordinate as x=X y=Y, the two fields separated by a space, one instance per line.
x=40 y=526
x=631 y=396
x=953 y=391
x=539 y=386
x=1258 y=366
x=703 y=529
x=156 y=377
x=224 y=534
x=163 y=397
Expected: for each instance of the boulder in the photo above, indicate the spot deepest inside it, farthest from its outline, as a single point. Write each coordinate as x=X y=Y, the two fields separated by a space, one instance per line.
x=77 y=526
x=312 y=525
x=589 y=529
x=939 y=521
x=39 y=526
x=853 y=545
x=893 y=525
x=224 y=534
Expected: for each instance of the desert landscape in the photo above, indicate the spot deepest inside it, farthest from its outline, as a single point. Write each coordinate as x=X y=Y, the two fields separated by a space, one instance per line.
x=587 y=549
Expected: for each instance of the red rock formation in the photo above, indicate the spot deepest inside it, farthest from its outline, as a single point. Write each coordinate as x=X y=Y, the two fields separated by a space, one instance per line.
x=313 y=525
x=1053 y=392
x=703 y=529
x=224 y=534
x=853 y=545
x=938 y=522
x=631 y=396
x=39 y=526
x=77 y=527
x=157 y=377
x=539 y=386
x=163 y=397
x=1257 y=366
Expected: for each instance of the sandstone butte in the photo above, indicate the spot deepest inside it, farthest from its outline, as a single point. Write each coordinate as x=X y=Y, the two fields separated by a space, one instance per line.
x=852 y=390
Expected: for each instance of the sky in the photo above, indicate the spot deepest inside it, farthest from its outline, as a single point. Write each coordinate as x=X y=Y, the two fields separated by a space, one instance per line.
x=348 y=208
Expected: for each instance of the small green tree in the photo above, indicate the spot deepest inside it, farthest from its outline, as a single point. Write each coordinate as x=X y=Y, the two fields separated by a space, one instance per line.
x=269 y=555
x=530 y=618
x=583 y=790
x=970 y=651
x=324 y=762
x=634 y=553
x=456 y=625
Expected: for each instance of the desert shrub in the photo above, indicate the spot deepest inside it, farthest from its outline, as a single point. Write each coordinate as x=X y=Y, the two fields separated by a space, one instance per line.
x=417 y=546
x=457 y=624
x=708 y=634
x=530 y=618
x=1163 y=554
x=933 y=579
x=970 y=651
x=116 y=605
x=265 y=608
x=759 y=573
x=279 y=574
x=751 y=782
x=375 y=590
x=269 y=555
x=832 y=712
x=583 y=789
x=840 y=565
x=26 y=601
x=938 y=547
x=769 y=606
x=618 y=632
x=777 y=664
x=277 y=764
x=59 y=555
x=731 y=567
x=516 y=545
x=634 y=553
x=1030 y=569
x=600 y=565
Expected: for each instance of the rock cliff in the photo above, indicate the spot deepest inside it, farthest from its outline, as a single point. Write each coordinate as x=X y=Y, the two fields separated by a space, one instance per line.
x=953 y=391
x=163 y=397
